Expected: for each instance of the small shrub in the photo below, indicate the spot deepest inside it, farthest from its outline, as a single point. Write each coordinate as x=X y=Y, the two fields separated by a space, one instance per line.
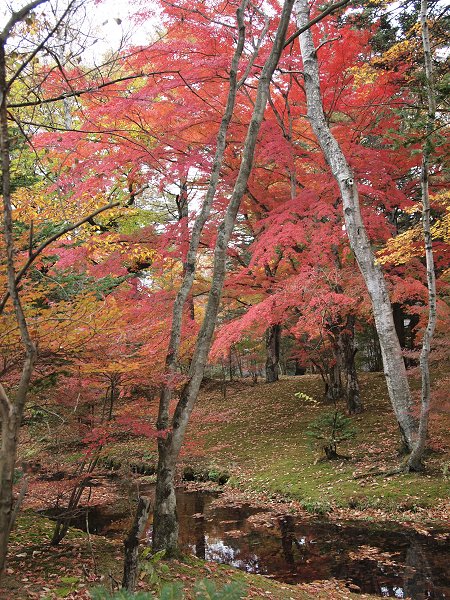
x=329 y=430
x=151 y=564
x=169 y=591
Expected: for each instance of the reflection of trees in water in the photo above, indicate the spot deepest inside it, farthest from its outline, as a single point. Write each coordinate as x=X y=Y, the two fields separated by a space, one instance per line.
x=199 y=527
x=289 y=542
x=229 y=552
x=418 y=580
x=302 y=551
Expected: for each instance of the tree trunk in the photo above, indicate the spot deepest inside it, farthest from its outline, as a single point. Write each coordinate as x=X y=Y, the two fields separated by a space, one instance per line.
x=230 y=362
x=415 y=461
x=299 y=370
x=394 y=366
x=334 y=389
x=189 y=266
x=352 y=393
x=165 y=516
x=7 y=464
x=11 y=409
x=181 y=201
x=273 y=339
x=131 y=564
x=354 y=402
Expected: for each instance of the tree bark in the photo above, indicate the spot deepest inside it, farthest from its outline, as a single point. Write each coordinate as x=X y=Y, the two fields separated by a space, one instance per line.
x=352 y=393
x=393 y=363
x=131 y=564
x=190 y=265
x=11 y=410
x=165 y=518
x=415 y=461
x=165 y=533
x=273 y=339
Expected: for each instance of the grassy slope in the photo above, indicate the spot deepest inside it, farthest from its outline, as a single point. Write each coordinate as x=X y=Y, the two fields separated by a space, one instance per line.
x=258 y=434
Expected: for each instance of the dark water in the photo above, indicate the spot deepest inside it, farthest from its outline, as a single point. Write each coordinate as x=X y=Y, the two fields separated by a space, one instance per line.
x=393 y=563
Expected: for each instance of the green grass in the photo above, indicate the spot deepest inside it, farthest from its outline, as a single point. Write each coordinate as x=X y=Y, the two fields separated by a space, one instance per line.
x=263 y=445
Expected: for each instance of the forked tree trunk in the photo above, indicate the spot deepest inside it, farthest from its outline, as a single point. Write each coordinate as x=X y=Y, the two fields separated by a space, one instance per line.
x=273 y=340
x=415 y=461
x=165 y=523
x=394 y=366
x=189 y=266
x=166 y=536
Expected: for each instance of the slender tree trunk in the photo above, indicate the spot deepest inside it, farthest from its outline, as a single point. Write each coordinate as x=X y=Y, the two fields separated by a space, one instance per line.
x=415 y=461
x=230 y=362
x=183 y=216
x=347 y=341
x=165 y=537
x=165 y=518
x=131 y=564
x=273 y=339
x=11 y=409
x=7 y=464
x=239 y=362
x=165 y=523
x=394 y=366
x=334 y=389
x=190 y=265
x=112 y=398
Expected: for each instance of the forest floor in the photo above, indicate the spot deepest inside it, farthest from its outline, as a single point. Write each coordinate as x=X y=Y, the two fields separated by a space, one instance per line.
x=255 y=434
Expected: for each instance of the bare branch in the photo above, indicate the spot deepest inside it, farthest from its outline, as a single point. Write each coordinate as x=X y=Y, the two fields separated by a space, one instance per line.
x=88 y=90
x=39 y=47
x=255 y=53
x=16 y=17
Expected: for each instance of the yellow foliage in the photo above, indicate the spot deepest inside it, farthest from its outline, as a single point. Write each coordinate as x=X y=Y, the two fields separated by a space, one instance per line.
x=409 y=244
x=34 y=204
x=363 y=74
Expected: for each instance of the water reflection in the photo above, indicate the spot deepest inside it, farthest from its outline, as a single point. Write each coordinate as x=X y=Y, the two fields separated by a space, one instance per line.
x=390 y=563
x=394 y=564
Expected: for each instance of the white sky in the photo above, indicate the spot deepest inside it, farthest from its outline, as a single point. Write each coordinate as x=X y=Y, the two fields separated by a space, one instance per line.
x=106 y=16
x=110 y=21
